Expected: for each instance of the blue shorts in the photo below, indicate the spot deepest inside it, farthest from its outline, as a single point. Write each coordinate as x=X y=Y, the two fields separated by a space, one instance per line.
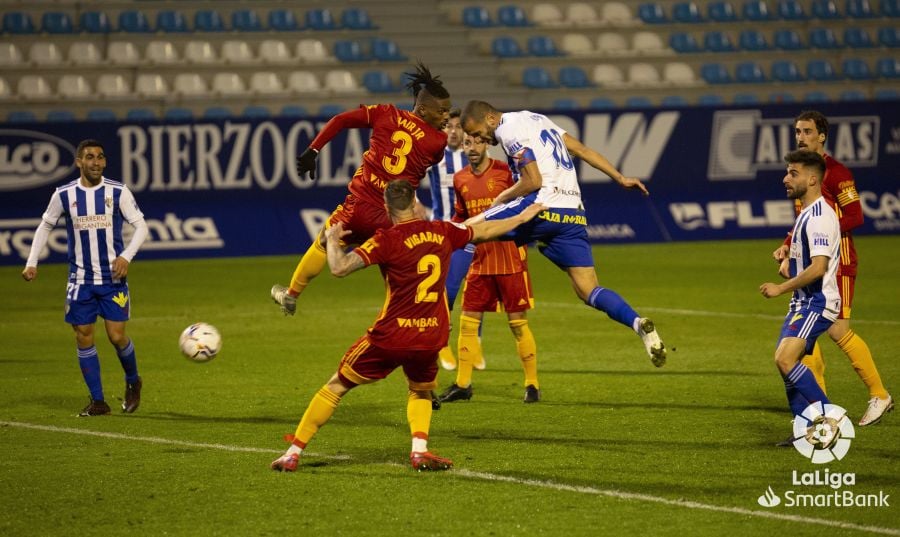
x=561 y=233
x=85 y=301
x=806 y=324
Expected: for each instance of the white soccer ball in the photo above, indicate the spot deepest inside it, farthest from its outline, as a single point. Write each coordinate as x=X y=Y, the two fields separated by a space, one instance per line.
x=200 y=342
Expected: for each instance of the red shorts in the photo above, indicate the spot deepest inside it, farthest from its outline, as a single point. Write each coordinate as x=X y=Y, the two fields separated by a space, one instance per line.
x=362 y=218
x=484 y=292
x=845 y=288
x=365 y=363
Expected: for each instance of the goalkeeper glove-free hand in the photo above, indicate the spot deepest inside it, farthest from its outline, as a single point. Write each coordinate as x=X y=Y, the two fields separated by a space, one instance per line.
x=307 y=163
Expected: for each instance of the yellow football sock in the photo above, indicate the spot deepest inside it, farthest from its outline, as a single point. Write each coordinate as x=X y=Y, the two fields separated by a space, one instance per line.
x=311 y=264
x=861 y=360
x=527 y=350
x=446 y=355
x=816 y=363
x=317 y=414
x=418 y=414
x=469 y=351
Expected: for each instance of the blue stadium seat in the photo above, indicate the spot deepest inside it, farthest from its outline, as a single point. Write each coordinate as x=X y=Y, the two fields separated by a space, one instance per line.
x=745 y=98
x=683 y=42
x=852 y=95
x=513 y=16
x=94 y=22
x=757 y=10
x=638 y=101
x=21 y=116
x=386 y=50
x=506 y=47
x=710 y=100
x=283 y=20
x=889 y=37
x=55 y=22
x=686 y=12
x=652 y=13
x=890 y=8
x=821 y=70
x=566 y=104
x=859 y=9
x=825 y=10
x=716 y=41
x=217 y=112
x=208 y=21
x=476 y=17
x=574 y=77
x=601 y=103
x=320 y=19
x=887 y=94
x=791 y=10
x=101 y=114
x=171 y=21
x=542 y=45
x=405 y=105
x=714 y=73
x=673 y=101
x=245 y=20
x=888 y=68
x=354 y=18
x=816 y=97
x=856 y=69
x=256 y=111
x=60 y=116
x=721 y=11
x=178 y=114
x=378 y=82
x=350 y=52
x=857 y=38
x=753 y=40
x=782 y=97
x=749 y=73
x=787 y=39
x=140 y=114
x=16 y=22
x=786 y=71
x=537 y=78
x=134 y=22
x=328 y=110
x=823 y=38
x=293 y=110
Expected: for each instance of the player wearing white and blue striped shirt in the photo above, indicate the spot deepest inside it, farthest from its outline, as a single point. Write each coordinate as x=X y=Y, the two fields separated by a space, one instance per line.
x=95 y=209
x=811 y=270
x=443 y=197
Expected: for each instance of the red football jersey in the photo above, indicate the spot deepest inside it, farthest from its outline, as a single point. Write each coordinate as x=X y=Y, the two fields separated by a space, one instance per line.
x=839 y=190
x=414 y=257
x=474 y=195
x=402 y=146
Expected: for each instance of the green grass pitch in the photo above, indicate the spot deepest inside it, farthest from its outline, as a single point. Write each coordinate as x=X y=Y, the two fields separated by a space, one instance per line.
x=616 y=447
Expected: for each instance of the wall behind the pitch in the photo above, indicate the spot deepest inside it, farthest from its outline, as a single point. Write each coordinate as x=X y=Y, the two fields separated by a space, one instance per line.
x=228 y=188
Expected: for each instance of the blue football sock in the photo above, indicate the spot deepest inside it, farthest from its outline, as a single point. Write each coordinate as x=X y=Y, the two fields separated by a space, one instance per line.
x=129 y=362
x=804 y=381
x=459 y=266
x=608 y=301
x=797 y=402
x=90 y=370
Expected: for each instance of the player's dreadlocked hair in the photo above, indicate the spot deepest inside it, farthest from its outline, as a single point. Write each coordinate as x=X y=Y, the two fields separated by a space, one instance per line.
x=422 y=79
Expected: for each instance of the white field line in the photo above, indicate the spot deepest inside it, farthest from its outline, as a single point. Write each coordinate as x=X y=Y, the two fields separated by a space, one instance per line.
x=468 y=474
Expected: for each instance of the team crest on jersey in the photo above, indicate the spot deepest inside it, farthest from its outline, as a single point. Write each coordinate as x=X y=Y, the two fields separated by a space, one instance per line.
x=491 y=184
x=108 y=201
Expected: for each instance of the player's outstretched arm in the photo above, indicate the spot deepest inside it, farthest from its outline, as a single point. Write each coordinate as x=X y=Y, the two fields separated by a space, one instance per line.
x=351 y=119
x=492 y=229
x=598 y=161
x=530 y=179
x=340 y=262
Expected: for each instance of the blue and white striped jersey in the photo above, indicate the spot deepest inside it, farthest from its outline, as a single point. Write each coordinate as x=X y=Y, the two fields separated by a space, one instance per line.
x=94 y=218
x=817 y=233
x=440 y=178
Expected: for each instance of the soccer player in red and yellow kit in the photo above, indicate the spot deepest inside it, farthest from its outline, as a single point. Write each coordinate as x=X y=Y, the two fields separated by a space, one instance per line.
x=403 y=145
x=414 y=323
x=839 y=190
x=499 y=274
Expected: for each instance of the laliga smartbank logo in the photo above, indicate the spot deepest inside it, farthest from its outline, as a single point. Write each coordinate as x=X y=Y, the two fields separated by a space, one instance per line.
x=822 y=434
